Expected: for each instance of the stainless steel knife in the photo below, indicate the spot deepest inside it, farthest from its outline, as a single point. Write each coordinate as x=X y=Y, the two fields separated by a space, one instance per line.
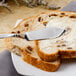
x=45 y=33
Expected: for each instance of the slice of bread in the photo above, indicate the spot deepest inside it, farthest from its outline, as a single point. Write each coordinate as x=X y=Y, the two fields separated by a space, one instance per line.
x=28 y=49
x=64 y=46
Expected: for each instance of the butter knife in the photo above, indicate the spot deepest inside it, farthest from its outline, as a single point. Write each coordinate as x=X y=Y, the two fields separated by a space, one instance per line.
x=45 y=33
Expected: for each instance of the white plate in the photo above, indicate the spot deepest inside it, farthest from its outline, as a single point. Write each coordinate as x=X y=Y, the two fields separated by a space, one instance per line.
x=66 y=69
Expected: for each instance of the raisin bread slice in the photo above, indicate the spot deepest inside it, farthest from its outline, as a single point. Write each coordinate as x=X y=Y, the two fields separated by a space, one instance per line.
x=64 y=46
x=28 y=49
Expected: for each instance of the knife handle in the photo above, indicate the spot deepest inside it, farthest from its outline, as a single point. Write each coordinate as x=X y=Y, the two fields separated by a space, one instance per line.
x=24 y=36
x=8 y=35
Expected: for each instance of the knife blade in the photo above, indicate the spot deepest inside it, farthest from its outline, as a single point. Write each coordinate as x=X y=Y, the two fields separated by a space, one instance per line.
x=45 y=33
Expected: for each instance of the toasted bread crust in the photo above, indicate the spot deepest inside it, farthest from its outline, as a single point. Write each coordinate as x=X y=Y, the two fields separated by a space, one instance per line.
x=67 y=54
x=46 y=66
x=55 y=12
x=47 y=57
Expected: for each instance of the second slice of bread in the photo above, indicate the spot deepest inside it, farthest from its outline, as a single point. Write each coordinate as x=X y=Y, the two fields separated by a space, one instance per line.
x=64 y=46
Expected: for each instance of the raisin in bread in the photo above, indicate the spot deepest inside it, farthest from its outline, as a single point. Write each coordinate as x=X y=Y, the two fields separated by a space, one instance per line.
x=64 y=46
x=28 y=49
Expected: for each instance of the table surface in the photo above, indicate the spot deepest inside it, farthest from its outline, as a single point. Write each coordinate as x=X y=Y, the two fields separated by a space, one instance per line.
x=7 y=19
x=6 y=65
